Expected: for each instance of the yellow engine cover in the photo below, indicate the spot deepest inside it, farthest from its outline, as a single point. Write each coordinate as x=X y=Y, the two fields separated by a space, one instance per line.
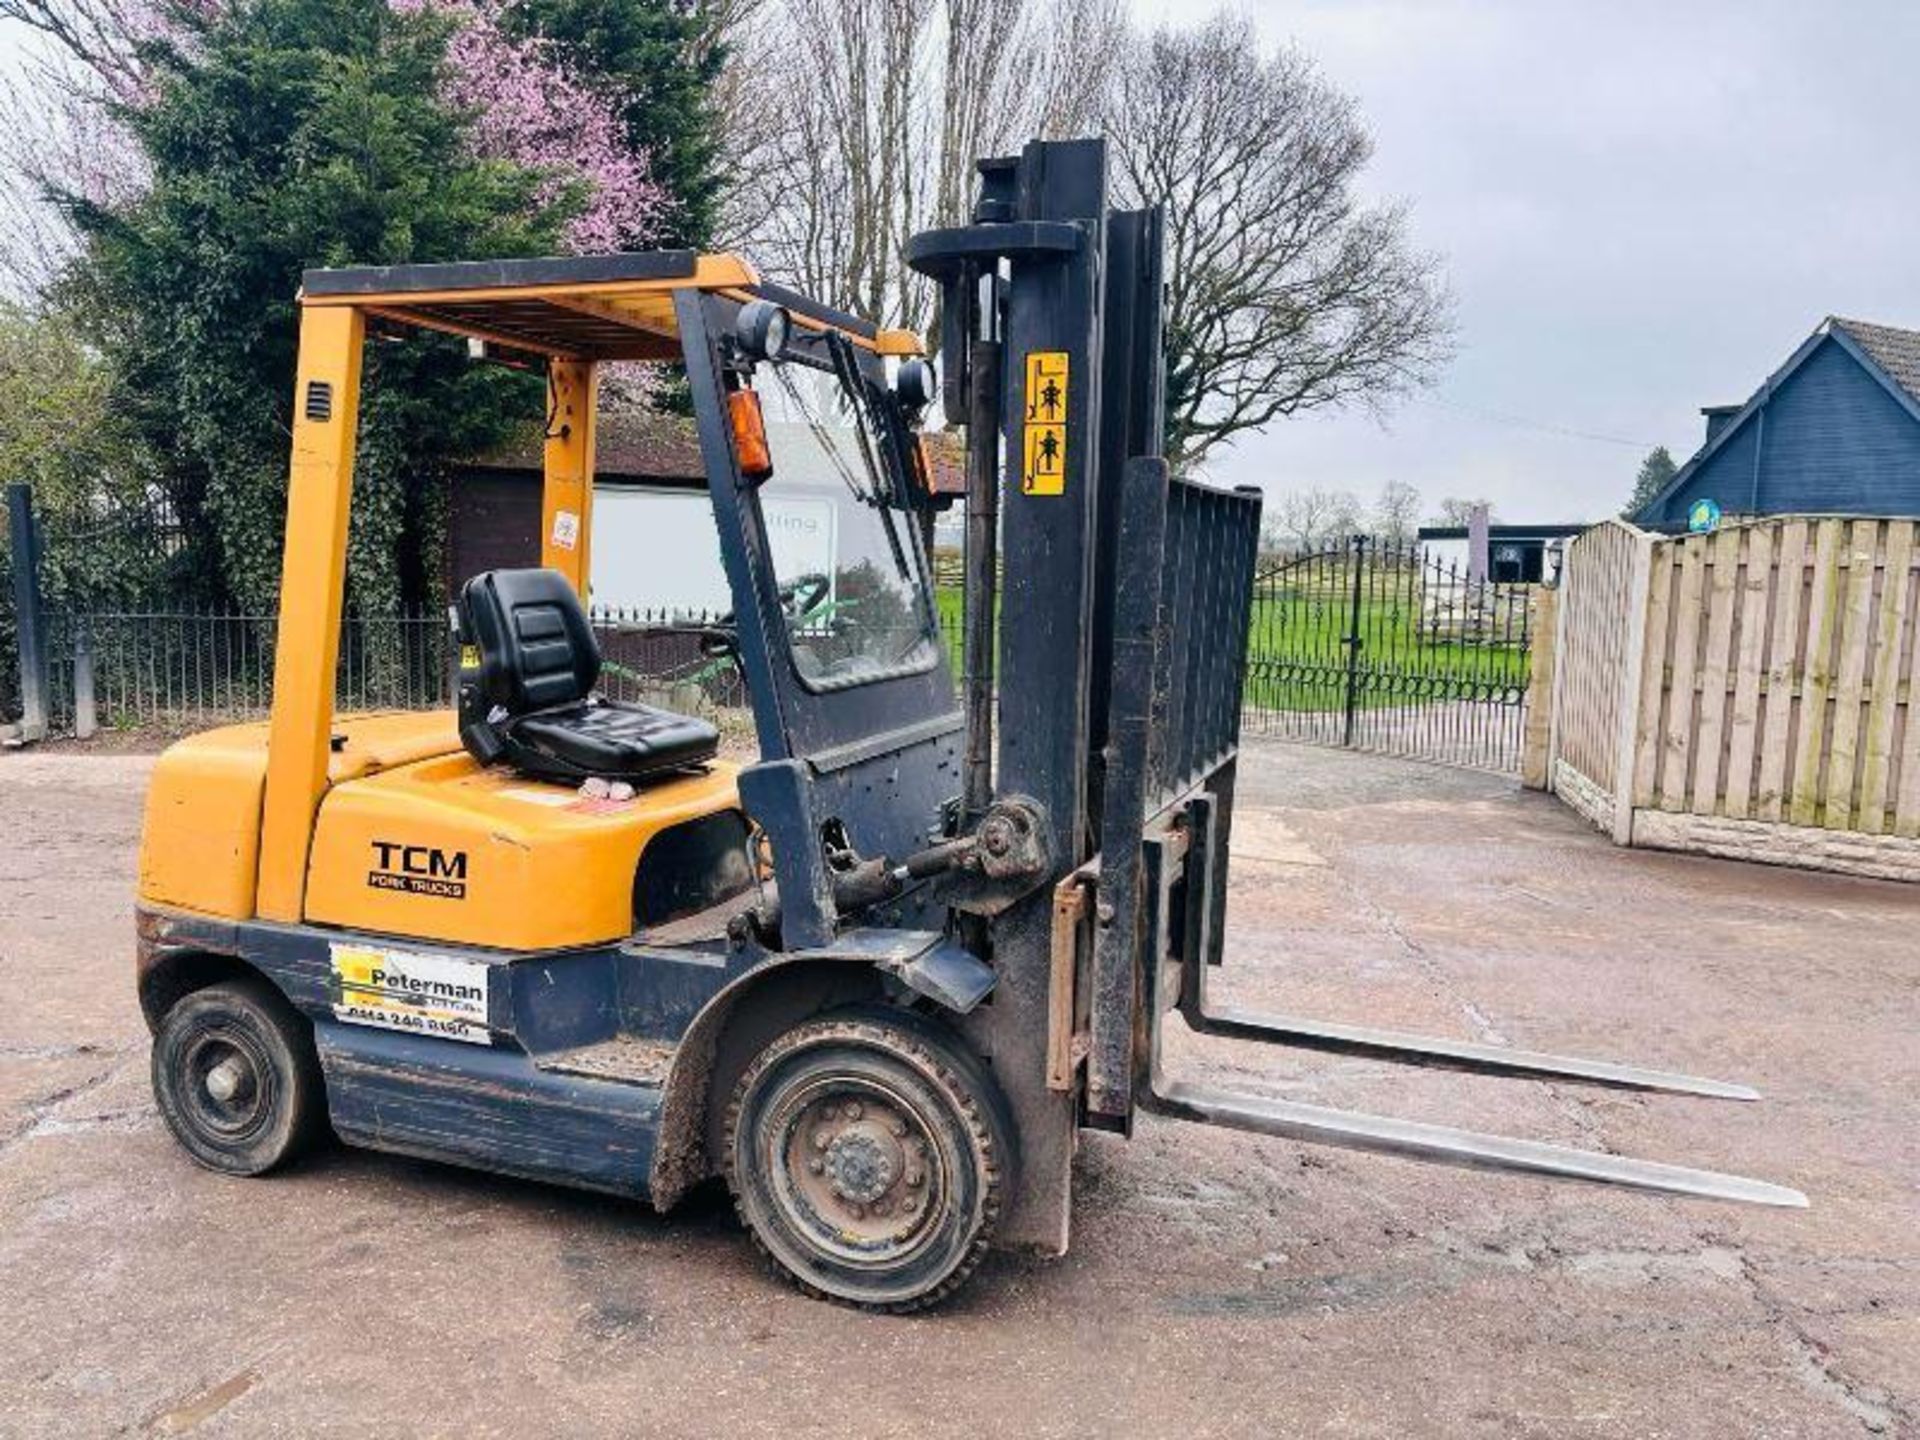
x=446 y=850
x=200 y=849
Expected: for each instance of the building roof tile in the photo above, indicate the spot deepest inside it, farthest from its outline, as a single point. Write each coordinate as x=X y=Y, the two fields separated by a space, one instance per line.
x=1894 y=350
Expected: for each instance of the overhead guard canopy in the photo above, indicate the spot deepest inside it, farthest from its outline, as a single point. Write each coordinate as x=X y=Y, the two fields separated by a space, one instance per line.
x=585 y=307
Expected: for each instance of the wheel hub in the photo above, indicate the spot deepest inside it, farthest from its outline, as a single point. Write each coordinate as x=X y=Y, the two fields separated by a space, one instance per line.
x=861 y=1165
x=230 y=1080
x=228 y=1091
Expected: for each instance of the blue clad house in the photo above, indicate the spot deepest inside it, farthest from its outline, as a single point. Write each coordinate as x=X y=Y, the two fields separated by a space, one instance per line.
x=1834 y=431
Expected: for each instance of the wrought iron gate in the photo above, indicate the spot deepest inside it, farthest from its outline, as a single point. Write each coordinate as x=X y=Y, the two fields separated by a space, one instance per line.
x=1378 y=646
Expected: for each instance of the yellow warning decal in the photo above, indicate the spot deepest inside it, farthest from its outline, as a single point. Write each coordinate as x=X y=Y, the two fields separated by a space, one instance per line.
x=1044 y=457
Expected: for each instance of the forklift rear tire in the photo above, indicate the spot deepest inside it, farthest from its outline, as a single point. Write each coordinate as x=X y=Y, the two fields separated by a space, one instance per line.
x=237 y=1078
x=869 y=1154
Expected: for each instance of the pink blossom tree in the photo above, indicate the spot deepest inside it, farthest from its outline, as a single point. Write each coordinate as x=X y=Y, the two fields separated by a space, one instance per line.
x=527 y=109
x=60 y=126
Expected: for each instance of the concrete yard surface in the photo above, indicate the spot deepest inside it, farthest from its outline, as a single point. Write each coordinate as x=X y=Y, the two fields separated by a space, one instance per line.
x=1219 y=1284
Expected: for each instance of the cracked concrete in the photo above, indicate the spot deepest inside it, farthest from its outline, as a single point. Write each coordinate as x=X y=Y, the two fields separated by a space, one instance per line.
x=1219 y=1285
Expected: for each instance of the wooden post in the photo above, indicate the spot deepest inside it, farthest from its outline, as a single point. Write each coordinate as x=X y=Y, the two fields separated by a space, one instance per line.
x=1636 y=642
x=1536 y=751
x=29 y=617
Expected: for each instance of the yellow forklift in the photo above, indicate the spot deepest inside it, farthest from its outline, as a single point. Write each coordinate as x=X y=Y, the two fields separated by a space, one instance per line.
x=880 y=978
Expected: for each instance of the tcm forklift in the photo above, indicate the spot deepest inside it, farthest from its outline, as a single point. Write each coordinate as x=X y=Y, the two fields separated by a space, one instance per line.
x=880 y=979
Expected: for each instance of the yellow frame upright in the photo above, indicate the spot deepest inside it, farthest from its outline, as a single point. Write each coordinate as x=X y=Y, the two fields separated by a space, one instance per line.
x=326 y=416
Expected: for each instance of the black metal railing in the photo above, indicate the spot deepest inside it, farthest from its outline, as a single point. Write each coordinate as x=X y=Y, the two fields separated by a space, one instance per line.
x=182 y=668
x=1364 y=643
x=1378 y=645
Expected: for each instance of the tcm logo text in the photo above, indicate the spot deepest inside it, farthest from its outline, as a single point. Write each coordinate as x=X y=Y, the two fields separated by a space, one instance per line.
x=419 y=870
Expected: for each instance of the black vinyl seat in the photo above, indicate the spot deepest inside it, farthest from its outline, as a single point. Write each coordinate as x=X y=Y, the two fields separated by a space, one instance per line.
x=529 y=702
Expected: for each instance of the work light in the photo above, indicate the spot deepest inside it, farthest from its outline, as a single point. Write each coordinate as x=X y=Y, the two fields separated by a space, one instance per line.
x=762 y=329
x=914 y=385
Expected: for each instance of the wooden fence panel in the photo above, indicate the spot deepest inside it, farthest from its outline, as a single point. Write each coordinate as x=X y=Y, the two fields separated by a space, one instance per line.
x=1723 y=559
x=1755 y=614
x=1678 y=711
x=1888 y=649
x=1906 y=781
x=1662 y=577
x=1778 y=684
x=1816 y=676
x=1782 y=659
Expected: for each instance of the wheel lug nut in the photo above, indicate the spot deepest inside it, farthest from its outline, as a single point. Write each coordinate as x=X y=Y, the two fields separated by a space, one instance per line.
x=914 y=1178
x=853 y=1110
x=899 y=1128
x=819 y=1139
x=818 y=1167
x=859 y=1210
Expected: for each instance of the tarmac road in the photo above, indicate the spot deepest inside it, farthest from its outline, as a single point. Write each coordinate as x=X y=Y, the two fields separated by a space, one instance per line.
x=1219 y=1285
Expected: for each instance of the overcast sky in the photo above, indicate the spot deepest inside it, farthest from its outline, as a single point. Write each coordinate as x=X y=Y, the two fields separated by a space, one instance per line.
x=1644 y=208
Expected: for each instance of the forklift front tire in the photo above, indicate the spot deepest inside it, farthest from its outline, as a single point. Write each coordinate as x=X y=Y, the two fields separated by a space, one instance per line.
x=236 y=1077
x=869 y=1155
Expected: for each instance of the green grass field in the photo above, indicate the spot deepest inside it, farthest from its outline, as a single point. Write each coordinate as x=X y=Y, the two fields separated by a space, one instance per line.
x=1295 y=660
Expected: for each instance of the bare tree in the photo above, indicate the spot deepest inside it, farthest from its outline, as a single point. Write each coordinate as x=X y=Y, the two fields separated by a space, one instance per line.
x=1456 y=511
x=883 y=108
x=1284 y=291
x=1304 y=519
x=1396 y=514
x=93 y=34
x=56 y=132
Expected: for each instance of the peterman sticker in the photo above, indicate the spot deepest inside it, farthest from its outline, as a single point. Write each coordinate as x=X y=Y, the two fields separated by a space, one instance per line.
x=566 y=529
x=403 y=990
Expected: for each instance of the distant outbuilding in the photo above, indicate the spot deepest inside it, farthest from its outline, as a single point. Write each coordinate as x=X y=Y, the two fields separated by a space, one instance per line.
x=1516 y=554
x=1833 y=431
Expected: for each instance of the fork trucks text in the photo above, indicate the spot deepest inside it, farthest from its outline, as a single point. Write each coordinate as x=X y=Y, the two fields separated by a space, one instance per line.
x=879 y=979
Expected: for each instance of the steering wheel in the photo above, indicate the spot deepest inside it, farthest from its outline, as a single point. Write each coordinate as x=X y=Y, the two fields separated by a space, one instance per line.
x=799 y=598
x=804 y=594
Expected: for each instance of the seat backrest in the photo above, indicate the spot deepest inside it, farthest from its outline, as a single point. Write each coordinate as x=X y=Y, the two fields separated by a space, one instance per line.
x=536 y=645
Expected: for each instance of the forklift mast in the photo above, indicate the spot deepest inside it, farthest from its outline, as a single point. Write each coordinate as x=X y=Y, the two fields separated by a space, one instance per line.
x=1122 y=616
x=1122 y=612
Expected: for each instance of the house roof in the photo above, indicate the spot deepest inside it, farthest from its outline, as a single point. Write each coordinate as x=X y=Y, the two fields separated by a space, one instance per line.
x=1894 y=350
x=627 y=446
x=1542 y=532
x=1891 y=355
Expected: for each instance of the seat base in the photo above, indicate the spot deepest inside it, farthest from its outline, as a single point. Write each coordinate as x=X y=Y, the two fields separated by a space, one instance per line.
x=605 y=740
